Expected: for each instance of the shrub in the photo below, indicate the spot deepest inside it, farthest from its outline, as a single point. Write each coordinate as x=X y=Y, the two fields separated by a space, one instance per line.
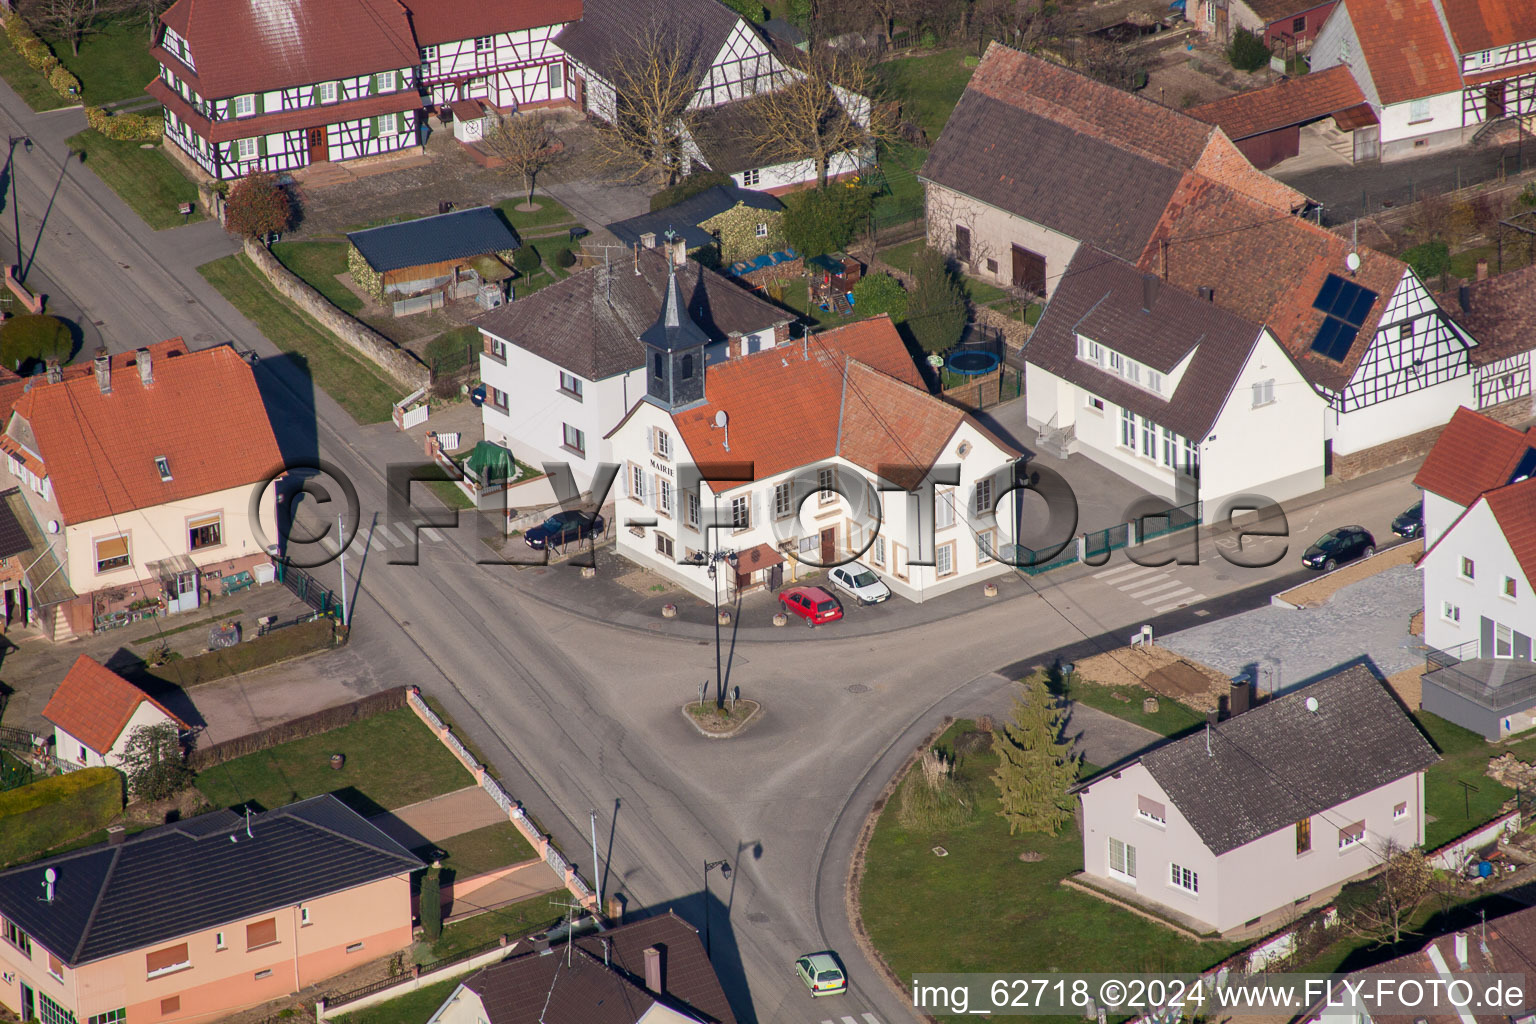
x=526 y=260
x=64 y=83
x=565 y=258
x=33 y=337
x=880 y=293
x=36 y=53
x=126 y=127
x=37 y=817
x=1428 y=259
x=934 y=798
x=154 y=762
x=1247 y=51
x=688 y=188
x=431 y=905
x=823 y=220
x=749 y=9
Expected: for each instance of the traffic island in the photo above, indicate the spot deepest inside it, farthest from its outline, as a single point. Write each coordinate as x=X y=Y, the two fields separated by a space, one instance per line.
x=721 y=723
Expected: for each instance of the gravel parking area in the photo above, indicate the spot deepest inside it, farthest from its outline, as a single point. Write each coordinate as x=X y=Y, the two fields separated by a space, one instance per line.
x=1318 y=591
x=1369 y=618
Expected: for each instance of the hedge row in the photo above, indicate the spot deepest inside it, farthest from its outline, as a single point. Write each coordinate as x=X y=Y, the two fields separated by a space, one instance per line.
x=36 y=53
x=39 y=816
x=126 y=127
x=299 y=728
x=292 y=642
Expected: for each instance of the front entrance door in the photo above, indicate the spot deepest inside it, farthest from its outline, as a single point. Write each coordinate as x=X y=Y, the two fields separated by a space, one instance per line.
x=1493 y=101
x=183 y=596
x=829 y=545
x=1028 y=270
x=317 y=150
x=579 y=91
x=28 y=1002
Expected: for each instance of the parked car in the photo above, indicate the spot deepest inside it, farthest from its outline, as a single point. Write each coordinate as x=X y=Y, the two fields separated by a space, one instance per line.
x=1410 y=523
x=860 y=582
x=821 y=974
x=562 y=528
x=812 y=604
x=1345 y=544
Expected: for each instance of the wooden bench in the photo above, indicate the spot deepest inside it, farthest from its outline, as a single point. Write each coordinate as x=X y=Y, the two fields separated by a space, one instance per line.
x=241 y=580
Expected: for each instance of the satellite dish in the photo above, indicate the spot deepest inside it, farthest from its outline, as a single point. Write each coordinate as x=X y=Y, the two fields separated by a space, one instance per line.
x=1352 y=261
x=721 y=418
x=53 y=526
x=51 y=875
x=1312 y=704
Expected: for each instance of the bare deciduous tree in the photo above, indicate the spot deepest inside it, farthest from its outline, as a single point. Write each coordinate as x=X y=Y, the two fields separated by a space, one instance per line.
x=70 y=19
x=825 y=111
x=1391 y=899
x=525 y=143
x=653 y=82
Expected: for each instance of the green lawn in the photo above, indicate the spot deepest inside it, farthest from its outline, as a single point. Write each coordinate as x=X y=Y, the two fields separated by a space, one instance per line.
x=146 y=179
x=360 y=388
x=1452 y=809
x=549 y=247
x=114 y=62
x=927 y=87
x=393 y=760
x=797 y=296
x=548 y=213
x=412 y=1008
x=29 y=85
x=980 y=907
x=902 y=256
x=318 y=263
x=1170 y=719
x=516 y=920
x=449 y=494
x=484 y=849
x=453 y=350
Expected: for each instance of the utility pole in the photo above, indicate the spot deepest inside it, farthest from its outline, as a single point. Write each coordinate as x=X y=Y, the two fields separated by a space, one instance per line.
x=10 y=163
x=597 y=879
x=341 y=539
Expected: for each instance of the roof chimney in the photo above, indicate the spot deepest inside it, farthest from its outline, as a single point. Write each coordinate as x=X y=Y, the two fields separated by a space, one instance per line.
x=1148 y=292
x=1464 y=295
x=55 y=374
x=679 y=251
x=1242 y=695
x=103 y=371
x=648 y=240
x=1482 y=269
x=655 y=977
x=1207 y=293
x=1460 y=941
x=146 y=368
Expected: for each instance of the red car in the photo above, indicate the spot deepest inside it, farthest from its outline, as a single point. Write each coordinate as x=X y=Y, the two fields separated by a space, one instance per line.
x=812 y=604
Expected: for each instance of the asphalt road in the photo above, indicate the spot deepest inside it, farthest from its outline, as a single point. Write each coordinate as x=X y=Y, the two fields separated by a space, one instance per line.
x=575 y=715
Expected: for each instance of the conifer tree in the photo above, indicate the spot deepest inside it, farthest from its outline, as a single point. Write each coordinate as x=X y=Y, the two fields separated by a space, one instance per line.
x=1035 y=765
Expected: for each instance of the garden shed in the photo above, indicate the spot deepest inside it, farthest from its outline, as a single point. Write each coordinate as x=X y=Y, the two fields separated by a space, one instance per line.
x=420 y=264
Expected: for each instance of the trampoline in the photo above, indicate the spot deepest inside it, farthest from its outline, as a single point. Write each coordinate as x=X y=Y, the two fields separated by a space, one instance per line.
x=972 y=363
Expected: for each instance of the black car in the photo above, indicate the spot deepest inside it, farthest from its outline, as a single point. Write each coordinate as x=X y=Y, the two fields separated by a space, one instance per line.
x=1411 y=523
x=1345 y=544
x=562 y=528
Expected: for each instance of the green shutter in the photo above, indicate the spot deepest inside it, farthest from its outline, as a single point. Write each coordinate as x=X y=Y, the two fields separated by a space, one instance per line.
x=373 y=126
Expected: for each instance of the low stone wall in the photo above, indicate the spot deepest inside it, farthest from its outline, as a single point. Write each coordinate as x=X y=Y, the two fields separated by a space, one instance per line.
x=1015 y=332
x=400 y=364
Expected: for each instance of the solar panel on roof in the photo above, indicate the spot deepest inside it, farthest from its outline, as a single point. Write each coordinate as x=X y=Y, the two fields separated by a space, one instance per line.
x=1346 y=306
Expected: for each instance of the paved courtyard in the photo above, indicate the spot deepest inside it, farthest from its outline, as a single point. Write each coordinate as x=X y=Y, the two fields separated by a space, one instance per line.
x=1369 y=619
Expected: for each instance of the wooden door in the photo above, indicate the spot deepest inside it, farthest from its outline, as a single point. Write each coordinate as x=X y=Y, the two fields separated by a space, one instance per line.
x=318 y=153
x=1028 y=270
x=1493 y=101
x=829 y=545
x=962 y=244
x=1367 y=140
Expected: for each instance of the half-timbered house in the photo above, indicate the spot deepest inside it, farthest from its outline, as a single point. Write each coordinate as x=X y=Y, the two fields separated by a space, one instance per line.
x=501 y=53
x=269 y=85
x=1500 y=312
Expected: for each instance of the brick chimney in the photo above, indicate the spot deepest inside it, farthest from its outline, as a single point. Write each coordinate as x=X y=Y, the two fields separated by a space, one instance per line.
x=655 y=970
x=103 y=364
x=648 y=240
x=55 y=373
x=146 y=367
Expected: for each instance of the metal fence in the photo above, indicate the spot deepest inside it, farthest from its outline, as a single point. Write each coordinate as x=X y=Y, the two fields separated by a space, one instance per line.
x=308 y=589
x=1099 y=543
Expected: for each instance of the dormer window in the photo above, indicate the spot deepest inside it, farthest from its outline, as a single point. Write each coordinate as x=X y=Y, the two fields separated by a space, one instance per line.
x=164 y=468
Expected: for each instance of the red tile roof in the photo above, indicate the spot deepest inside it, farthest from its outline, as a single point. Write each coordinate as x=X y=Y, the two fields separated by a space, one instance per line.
x=1266 y=267
x=852 y=392
x=1473 y=454
x=1290 y=101
x=288 y=120
x=446 y=21
x=246 y=46
x=1514 y=508
x=203 y=413
x=1500 y=314
x=93 y=704
x=1483 y=24
x=1405 y=48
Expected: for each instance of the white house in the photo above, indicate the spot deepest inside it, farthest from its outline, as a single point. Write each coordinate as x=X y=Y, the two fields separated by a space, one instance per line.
x=1434 y=71
x=1233 y=826
x=95 y=711
x=562 y=366
x=1187 y=400
x=808 y=456
x=1474 y=454
x=502 y=54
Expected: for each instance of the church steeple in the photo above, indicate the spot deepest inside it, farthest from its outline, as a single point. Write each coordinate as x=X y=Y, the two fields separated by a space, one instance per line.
x=674 y=351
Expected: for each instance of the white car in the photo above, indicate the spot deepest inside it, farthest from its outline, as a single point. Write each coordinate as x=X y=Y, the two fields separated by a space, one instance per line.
x=860 y=582
x=822 y=974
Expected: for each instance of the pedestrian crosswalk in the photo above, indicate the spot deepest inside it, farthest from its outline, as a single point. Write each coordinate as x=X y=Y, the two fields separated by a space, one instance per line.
x=867 y=1018
x=1157 y=588
x=381 y=538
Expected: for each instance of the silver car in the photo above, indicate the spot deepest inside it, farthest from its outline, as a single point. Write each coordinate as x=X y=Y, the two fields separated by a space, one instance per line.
x=860 y=582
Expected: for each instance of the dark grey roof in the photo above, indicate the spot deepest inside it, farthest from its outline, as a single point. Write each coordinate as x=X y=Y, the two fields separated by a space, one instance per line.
x=1046 y=172
x=591 y=322
x=184 y=878
x=447 y=236
x=674 y=329
x=605 y=981
x=725 y=136
x=686 y=216
x=611 y=30
x=1100 y=297
x=783 y=31
x=1280 y=762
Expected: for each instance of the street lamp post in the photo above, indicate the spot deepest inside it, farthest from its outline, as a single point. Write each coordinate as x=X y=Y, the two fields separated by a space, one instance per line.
x=10 y=165
x=712 y=559
x=725 y=873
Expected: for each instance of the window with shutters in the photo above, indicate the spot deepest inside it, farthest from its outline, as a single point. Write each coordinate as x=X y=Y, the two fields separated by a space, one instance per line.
x=384 y=81
x=636 y=482
x=741 y=512
x=164 y=961
x=1122 y=860
x=664 y=496
x=944 y=509
x=662 y=445
x=389 y=124
x=245 y=149
x=261 y=933
x=245 y=106
x=692 y=510
x=664 y=545
x=782 y=502
x=327 y=92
